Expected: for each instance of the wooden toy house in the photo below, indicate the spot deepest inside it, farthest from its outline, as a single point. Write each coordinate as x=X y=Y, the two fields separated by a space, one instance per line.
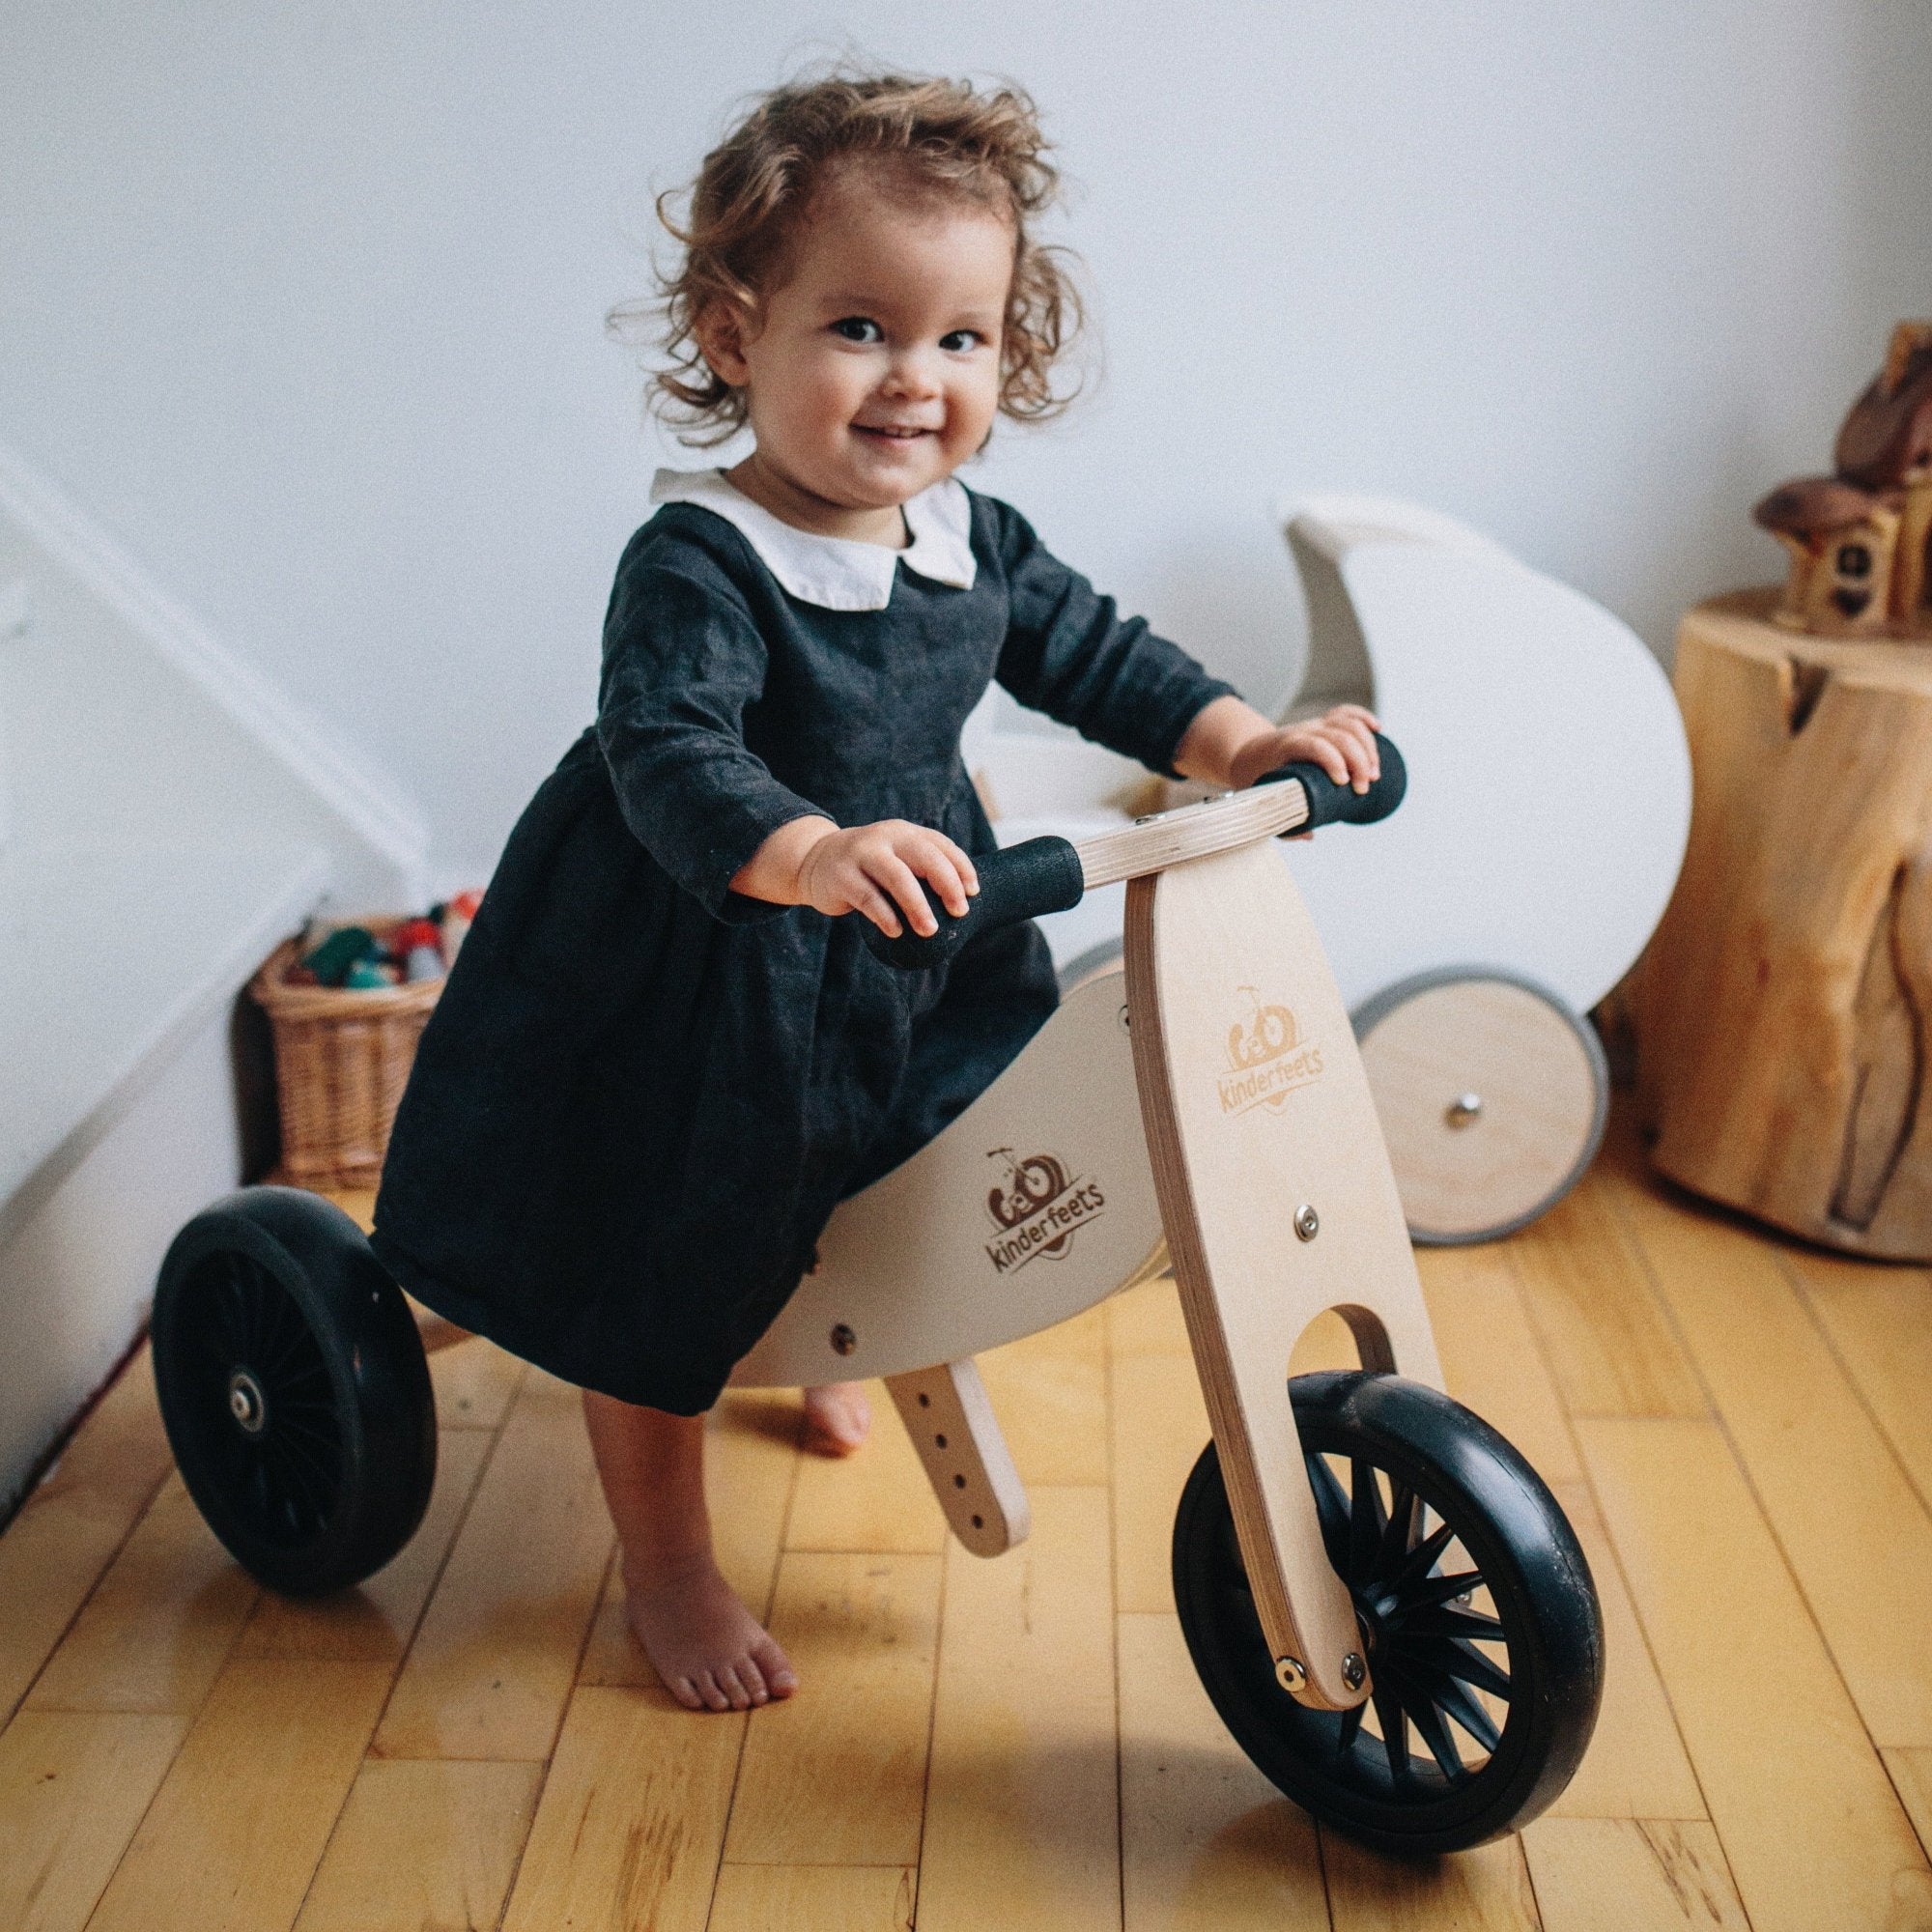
x=1859 y=539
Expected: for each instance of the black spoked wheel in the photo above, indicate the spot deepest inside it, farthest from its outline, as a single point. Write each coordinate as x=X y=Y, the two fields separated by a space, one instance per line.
x=1478 y=1616
x=295 y=1390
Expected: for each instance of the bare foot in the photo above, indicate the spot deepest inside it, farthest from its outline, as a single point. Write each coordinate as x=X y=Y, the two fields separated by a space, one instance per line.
x=837 y=1417
x=711 y=1652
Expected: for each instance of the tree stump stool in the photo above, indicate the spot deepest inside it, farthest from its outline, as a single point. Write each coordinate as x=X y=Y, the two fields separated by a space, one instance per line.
x=1783 y=1010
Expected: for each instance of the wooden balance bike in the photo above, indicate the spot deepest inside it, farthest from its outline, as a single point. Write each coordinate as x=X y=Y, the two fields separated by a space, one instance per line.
x=1383 y=1601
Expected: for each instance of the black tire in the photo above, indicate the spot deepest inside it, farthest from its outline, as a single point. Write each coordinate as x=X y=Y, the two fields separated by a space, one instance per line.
x=1446 y=1489
x=293 y=1388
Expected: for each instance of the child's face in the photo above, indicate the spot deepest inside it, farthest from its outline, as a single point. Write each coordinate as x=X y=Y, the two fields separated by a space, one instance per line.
x=875 y=368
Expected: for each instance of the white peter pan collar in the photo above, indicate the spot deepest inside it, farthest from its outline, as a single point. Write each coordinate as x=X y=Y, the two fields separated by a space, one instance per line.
x=838 y=573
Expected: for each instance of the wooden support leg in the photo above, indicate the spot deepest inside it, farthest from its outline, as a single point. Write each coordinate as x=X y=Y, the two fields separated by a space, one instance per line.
x=966 y=1460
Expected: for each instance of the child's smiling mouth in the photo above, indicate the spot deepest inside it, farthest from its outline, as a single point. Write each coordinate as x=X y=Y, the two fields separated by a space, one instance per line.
x=889 y=433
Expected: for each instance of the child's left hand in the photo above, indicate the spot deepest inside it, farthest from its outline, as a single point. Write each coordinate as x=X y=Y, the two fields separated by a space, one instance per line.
x=1341 y=741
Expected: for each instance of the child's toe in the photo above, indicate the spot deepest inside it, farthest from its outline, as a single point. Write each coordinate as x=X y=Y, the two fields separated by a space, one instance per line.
x=774 y=1667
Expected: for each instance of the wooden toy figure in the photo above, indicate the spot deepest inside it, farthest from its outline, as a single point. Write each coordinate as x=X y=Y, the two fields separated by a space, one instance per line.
x=1859 y=539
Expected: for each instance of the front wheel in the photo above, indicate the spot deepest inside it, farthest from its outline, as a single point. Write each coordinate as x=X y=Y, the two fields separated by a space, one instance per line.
x=294 y=1389
x=1479 y=1621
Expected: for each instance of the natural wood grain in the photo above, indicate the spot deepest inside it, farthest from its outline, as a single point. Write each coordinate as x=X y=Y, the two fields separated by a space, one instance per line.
x=1159 y=1428
x=836 y=1775
x=1050 y=1394
x=630 y=1832
x=1911 y=1779
x=154 y=1634
x=632 y=1815
x=1856 y=1536
x=68 y=1529
x=474 y=1382
x=1635 y=1766
x=1535 y=1082
x=423 y=1844
x=751 y=1459
x=374 y=1622
x=1490 y=1355
x=877 y=1500
x=1194 y=830
x=1808 y=1820
x=814 y=1898
x=1021 y=1799
x=74 y=1785
x=1879 y=1321
x=234 y=1834
x=1237 y=1090
x=1484 y=1890
x=1624 y=1875
x=957 y=1439
x=1208 y=1843
x=1608 y=1339
x=491 y=1664
x=1783 y=1019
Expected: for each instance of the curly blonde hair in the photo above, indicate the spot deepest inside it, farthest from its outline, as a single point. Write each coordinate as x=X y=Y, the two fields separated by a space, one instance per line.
x=926 y=139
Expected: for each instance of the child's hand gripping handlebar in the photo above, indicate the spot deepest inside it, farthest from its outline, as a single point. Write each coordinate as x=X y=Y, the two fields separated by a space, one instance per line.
x=1044 y=875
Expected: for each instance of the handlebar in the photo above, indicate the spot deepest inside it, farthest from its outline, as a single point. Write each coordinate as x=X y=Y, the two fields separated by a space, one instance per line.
x=1042 y=875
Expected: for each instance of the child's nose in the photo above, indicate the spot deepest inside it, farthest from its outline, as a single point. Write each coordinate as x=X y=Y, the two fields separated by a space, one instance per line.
x=913 y=374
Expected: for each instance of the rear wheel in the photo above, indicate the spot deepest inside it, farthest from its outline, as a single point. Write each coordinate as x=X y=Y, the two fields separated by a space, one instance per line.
x=1479 y=1622
x=293 y=1388
x=1492 y=1094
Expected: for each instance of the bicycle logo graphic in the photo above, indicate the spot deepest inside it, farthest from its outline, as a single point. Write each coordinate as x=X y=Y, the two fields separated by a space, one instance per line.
x=1038 y=1208
x=1267 y=1057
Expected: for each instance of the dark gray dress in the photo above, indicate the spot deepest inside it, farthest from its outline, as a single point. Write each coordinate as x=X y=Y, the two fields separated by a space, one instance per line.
x=641 y=1093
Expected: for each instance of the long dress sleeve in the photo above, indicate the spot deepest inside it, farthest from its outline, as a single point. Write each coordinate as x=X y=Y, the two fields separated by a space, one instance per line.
x=683 y=663
x=1070 y=654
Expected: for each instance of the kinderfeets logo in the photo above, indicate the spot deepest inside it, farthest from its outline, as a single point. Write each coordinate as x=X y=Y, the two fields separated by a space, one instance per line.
x=1038 y=1208
x=1267 y=1059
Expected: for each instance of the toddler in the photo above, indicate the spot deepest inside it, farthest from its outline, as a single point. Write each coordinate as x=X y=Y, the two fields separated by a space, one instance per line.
x=665 y=1055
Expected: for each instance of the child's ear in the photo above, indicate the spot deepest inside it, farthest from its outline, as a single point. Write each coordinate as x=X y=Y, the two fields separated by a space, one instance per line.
x=722 y=328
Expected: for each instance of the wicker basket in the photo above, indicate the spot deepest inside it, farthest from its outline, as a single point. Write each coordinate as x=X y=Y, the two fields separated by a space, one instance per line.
x=341 y=1061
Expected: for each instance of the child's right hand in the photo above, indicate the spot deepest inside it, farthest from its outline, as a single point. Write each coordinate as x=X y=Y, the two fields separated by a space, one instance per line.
x=875 y=869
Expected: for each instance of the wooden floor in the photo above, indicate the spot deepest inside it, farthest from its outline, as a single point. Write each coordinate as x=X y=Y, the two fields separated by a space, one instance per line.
x=1740 y=1430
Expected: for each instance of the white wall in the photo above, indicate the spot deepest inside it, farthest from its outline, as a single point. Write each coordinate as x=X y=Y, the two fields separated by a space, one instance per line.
x=304 y=304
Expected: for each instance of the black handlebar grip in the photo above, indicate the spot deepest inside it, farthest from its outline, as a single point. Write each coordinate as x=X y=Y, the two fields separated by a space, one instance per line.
x=1036 y=876
x=1332 y=803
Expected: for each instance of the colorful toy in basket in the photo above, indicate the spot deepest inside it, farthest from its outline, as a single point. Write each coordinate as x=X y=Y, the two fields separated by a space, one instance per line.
x=1516 y=888
x=386 y=953
x=347 y=1003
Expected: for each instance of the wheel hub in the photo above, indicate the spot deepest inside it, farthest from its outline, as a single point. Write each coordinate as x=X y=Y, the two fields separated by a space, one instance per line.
x=1372 y=1615
x=247 y=1403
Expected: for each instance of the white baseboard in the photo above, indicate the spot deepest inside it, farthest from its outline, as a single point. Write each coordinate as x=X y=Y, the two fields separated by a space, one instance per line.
x=77 y=1278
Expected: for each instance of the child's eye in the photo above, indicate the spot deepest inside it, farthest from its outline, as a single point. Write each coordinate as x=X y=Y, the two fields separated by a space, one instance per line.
x=858 y=328
x=961 y=339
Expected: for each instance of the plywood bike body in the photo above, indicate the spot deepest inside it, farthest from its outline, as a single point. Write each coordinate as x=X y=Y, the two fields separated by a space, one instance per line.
x=1383 y=1601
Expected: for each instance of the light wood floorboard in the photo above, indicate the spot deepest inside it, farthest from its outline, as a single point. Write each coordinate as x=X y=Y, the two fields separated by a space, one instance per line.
x=72 y=1525
x=836 y=1775
x=236 y=1831
x=1021 y=1800
x=1809 y=1821
x=423 y=1842
x=74 y=1785
x=1738 y=1429
x=1631 y=1875
x=828 y=1898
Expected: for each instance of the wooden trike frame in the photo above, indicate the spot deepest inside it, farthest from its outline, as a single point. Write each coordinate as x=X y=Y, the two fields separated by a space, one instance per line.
x=1252 y=1156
